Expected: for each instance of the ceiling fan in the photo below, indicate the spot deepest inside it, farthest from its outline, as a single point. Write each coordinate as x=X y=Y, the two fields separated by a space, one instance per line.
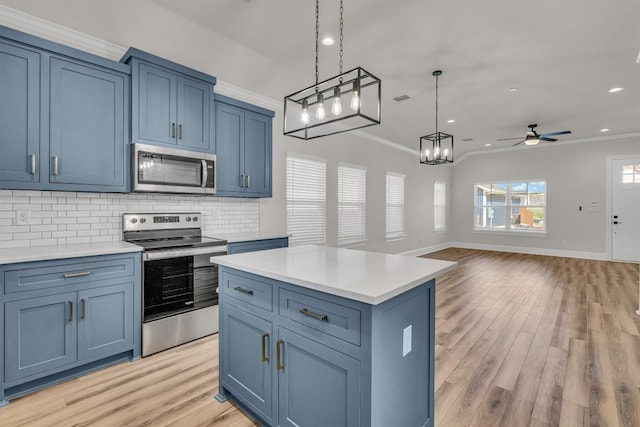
x=532 y=137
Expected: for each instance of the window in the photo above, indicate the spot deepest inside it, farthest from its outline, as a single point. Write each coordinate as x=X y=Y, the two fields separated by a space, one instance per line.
x=511 y=206
x=306 y=199
x=352 y=187
x=439 y=206
x=395 y=207
x=630 y=174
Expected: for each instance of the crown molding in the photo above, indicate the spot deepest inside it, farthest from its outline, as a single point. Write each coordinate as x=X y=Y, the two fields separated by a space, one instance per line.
x=573 y=141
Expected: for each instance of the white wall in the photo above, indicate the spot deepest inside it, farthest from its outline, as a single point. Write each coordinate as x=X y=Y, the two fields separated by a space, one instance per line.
x=575 y=174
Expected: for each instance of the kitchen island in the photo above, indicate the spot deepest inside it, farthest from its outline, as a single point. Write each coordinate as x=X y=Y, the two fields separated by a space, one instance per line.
x=320 y=336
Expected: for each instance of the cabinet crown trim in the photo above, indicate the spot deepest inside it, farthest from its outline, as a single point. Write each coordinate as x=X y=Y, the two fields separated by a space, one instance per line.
x=148 y=57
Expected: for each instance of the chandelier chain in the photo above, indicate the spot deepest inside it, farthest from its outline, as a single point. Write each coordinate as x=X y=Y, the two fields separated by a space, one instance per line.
x=341 y=35
x=317 y=35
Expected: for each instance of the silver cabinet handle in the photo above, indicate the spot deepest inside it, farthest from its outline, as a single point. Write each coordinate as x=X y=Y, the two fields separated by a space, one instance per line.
x=70 y=311
x=205 y=173
x=248 y=181
x=243 y=290
x=55 y=165
x=33 y=164
x=84 y=308
x=322 y=317
x=242 y=181
x=78 y=274
x=180 y=132
x=173 y=130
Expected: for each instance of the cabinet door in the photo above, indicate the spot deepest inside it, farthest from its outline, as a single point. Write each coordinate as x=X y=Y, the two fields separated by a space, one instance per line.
x=318 y=386
x=19 y=114
x=245 y=339
x=157 y=105
x=229 y=137
x=40 y=335
x=105 y=320
x=257 y=154
x=194 y=103
x=87 y=128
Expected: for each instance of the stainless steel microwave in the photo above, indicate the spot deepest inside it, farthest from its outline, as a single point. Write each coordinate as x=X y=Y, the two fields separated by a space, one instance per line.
x=170 y=170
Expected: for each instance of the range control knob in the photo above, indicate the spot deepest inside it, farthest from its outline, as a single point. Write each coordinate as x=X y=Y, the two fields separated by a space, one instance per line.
x=143 y=220
x=195 y=219
x=188 y=219
x=134 y=220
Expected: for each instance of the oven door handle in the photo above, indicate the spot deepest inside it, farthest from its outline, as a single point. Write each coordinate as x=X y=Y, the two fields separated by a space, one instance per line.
x=175 y=253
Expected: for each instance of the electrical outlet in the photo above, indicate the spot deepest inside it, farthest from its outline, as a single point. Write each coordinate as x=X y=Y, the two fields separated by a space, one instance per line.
x=23 y=217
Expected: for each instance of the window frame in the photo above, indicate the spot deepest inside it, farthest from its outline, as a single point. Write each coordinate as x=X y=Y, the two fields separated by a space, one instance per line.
x=402 y=233
x=508 y=206
x=323 y=230
x=360 y=239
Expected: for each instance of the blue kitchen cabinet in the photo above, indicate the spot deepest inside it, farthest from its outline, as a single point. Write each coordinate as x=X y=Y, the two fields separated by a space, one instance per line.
x=64 y=122
x=257 y=245
x=87 y=129
x=244 y=139
x=63 y=318
x=19 y=114
x=170 y=103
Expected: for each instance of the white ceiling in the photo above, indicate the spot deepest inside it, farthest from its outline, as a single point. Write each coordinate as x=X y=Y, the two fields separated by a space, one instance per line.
x=562 y=55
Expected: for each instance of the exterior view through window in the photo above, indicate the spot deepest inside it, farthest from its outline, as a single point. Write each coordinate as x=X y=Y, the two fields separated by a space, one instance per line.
x=511 y=206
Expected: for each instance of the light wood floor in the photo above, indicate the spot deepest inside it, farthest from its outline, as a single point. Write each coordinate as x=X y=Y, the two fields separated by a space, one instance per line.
x=521 y=340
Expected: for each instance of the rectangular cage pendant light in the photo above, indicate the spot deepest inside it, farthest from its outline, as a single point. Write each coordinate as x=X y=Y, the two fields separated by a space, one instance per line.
x=345 y=102
x=436 y=149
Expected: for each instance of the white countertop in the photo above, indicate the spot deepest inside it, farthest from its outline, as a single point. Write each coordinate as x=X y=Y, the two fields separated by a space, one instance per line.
x=42 y=253
x=367 y=277
x=250 y=236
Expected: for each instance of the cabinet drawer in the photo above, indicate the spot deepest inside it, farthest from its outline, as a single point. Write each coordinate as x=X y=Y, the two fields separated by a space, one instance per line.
x=248 y=290
x=325 y=316
x=27 y=277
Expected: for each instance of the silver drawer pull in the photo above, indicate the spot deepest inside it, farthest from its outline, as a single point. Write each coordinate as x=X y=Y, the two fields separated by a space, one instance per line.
x=33 y=164
x=322 y=317
x=243 y=290
x=81 y=273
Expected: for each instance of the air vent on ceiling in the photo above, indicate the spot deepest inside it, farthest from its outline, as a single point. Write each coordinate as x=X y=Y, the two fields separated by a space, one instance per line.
x=468 y=139
x=401 y=98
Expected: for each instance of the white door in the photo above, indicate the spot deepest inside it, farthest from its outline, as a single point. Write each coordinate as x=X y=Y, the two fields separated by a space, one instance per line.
x=625 y=209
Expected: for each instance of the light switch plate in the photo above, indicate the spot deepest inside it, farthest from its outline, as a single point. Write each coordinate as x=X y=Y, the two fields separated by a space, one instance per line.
x=23 y=217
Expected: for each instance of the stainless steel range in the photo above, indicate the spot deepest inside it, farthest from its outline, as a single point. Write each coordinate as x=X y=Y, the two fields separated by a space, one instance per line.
x=179 y=292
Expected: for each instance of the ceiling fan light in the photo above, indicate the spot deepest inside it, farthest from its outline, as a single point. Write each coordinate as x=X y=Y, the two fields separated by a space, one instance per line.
x=531 y=140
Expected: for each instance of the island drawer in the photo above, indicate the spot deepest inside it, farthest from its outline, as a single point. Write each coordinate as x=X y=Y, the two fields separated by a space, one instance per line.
x=43 y=275
x=325 y=316
x=247 y=289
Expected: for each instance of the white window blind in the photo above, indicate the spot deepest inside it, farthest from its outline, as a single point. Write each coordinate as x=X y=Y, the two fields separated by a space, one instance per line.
x=395 y=206
x=439 y=206
x=306 y=199
x=352 y=203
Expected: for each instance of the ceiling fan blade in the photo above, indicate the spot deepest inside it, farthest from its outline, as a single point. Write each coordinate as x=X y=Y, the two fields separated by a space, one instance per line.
x=542 y=138
x=564 y=132
x=518 y=143
x=508 y=139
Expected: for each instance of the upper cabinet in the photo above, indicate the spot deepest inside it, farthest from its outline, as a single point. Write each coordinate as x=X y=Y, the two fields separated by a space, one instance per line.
x=170 y=103
x=64 y=117
x=243 y=148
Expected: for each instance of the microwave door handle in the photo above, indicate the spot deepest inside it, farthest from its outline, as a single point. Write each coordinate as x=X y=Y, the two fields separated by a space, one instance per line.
x=205 y=174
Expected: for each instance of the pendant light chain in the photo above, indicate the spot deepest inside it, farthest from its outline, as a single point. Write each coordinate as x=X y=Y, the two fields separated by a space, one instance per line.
x=317 y=35
x=341 y=36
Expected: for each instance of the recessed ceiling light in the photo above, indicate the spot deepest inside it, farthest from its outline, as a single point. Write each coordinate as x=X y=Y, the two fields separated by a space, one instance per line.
x=604 y=130
x=451 y=121
x=327 y=41
x=615 y=89
x=513 y=89
x=487 y=145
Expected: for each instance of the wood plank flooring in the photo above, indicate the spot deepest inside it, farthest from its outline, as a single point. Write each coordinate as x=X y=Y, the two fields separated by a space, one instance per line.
x=521 y=340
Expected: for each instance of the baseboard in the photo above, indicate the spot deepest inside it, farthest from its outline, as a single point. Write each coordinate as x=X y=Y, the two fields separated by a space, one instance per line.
x=599 y=256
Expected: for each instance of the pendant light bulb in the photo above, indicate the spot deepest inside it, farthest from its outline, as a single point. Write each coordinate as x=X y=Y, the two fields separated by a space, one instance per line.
x=304 y=117
x=336 y=106
x=320 y=113
x=355 y=98
x=427 y=154
x=446 y=152
x=437 y=152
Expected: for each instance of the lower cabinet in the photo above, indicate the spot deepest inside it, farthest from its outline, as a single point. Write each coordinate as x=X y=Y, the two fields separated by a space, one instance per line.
x=298 y=357
x=65 y=317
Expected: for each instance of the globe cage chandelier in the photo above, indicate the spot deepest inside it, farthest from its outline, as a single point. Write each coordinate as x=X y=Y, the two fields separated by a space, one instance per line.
x=305 y=113
x=436 y=148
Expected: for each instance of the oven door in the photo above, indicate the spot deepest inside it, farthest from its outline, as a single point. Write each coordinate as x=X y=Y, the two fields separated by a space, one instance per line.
x=168 y=287
x=205 y=281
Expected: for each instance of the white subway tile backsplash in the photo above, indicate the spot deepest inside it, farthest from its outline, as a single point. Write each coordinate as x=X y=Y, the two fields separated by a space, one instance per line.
x=59 y=217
